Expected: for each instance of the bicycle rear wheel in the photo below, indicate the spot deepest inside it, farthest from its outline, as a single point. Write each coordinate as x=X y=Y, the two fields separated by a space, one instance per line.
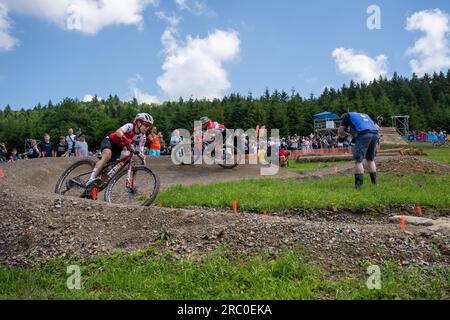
x=182 y=155
x=72 y=181
x=141 y=190
x=231 y=157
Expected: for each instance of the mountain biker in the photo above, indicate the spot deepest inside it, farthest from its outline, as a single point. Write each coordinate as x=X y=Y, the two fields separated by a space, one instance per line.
x=208 y=124
x=125 y=137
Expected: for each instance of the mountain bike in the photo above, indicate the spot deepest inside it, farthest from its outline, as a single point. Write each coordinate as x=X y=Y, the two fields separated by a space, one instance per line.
x=228 y=158
x=123 y=182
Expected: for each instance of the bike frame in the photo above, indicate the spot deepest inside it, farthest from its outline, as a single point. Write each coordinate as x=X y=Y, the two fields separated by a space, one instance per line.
x=131 y=164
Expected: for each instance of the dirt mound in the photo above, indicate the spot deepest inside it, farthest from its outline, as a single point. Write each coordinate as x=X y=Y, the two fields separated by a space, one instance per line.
x=37 y=225
x=402 y=166
x=412 y=165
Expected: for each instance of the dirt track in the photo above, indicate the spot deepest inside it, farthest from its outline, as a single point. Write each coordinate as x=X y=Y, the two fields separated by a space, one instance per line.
x=33 y=230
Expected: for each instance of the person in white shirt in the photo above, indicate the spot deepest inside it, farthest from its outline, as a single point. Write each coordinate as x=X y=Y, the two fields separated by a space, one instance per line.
x=71 y=139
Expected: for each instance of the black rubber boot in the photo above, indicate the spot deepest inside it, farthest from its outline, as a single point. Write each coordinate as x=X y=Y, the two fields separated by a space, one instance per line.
x=373 y=177
x=359 y=180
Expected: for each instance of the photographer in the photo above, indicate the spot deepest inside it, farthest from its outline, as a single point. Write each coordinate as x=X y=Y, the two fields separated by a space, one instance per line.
x=33 y=152
x=3 y=152
x=155 y=142
x=366 y=140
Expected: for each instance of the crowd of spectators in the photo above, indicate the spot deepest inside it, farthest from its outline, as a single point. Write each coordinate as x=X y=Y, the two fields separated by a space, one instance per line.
x=424 y=136
x=68 y=146
x=313 y=142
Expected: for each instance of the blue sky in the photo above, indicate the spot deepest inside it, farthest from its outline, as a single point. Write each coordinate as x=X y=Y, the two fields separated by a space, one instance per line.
x=280 y=45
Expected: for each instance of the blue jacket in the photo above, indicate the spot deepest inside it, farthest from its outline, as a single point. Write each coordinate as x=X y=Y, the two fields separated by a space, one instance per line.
x=362 y=122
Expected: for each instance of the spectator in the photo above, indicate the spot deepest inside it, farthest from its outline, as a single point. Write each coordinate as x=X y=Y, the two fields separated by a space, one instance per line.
x=163 y=143
x=61 y=148
x=380 y=120
x=262 y=152
x=284 y=157
x=46 y=147
x=81 y=146
x=70 y=139
x=175 y=139
x=3 y=152
x=14 y=155
x=33 y=152
x=155 y=143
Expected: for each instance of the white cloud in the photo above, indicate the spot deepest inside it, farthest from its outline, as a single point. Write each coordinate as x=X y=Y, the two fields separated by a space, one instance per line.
x=195 y=68
x=7 y=42
x=432 y=51
x=140 y=96
x=182 y=4
x=198 y=8
x=86 y=16
x=360 y=66
x=173 y=20
x=89 y=97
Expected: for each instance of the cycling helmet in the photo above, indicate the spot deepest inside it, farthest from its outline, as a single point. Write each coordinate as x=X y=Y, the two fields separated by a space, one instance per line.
x=204 y=119
x=144 y=117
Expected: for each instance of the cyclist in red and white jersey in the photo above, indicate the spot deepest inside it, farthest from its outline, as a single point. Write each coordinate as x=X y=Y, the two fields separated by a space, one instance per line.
x=208 y=124
x=125 y=137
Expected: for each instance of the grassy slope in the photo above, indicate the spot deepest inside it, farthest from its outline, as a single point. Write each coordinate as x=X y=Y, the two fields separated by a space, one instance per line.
x=439 y=154
x=144 y=275
x=333 y=193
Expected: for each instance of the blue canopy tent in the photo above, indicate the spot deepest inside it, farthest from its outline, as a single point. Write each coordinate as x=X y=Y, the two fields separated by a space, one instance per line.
x=326 y=123
x=326 y=116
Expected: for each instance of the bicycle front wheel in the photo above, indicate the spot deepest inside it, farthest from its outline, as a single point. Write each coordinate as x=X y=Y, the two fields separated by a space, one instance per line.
x=140 y=188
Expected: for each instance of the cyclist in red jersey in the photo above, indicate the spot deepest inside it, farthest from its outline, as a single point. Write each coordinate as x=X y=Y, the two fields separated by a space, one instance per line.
x=208 y=124
x=125 y=137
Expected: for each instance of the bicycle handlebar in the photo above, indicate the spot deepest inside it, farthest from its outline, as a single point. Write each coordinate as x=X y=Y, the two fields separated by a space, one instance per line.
x=136 y=152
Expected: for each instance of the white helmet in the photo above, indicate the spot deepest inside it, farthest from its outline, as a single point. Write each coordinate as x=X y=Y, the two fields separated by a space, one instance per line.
x=144 y=117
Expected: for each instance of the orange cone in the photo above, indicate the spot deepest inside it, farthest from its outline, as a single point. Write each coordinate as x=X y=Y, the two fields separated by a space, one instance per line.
x=419 y=211
x=266 y=213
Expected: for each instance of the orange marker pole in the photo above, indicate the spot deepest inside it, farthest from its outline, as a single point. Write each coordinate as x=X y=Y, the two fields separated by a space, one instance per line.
x=94 y=193
x=403 y=223
x=419 y=211
x=235 y=206
x=2 y=173
x=265 y=213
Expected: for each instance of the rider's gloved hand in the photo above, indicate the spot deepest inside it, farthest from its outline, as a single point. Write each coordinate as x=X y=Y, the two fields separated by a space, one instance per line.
x=127 y=142
x=132 y=149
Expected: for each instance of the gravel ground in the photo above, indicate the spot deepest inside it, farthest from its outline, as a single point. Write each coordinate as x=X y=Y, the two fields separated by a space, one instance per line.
x=37 y=226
